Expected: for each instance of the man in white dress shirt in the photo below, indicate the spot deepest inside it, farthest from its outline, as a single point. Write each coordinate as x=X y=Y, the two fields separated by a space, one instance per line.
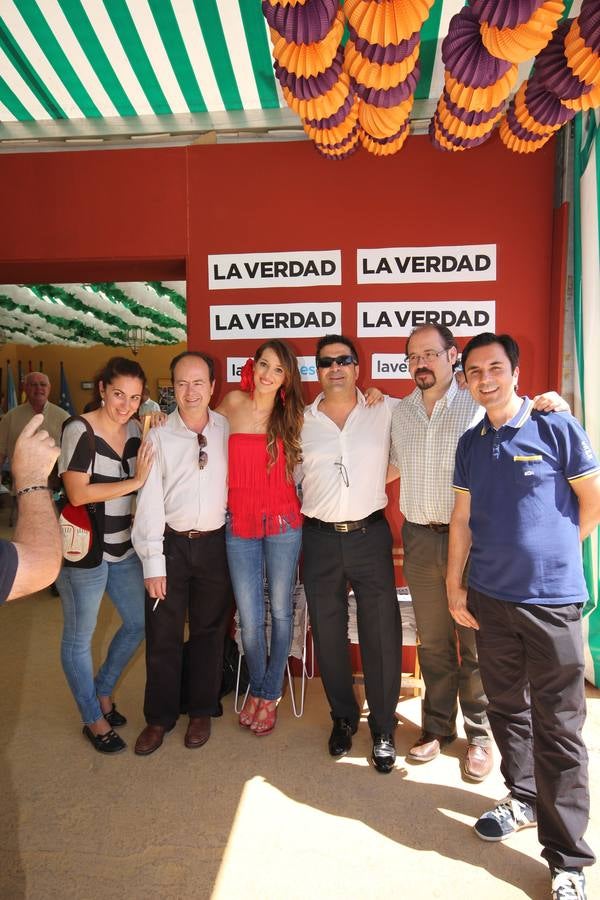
x=179 y=535
x=346 y=539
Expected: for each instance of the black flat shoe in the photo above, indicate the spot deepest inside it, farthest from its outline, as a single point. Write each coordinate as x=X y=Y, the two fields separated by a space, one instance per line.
x=114 y=718
x=104 y=743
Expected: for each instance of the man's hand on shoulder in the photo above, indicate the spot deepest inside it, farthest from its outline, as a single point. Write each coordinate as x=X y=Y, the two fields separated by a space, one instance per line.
x=550 y=401
x=373 y=396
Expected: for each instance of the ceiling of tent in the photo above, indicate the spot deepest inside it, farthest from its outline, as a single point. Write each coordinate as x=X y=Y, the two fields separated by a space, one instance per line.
x=79 y=315
x=85 y=70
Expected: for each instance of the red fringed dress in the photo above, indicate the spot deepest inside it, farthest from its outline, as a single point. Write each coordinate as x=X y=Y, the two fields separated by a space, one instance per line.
x=260 y=502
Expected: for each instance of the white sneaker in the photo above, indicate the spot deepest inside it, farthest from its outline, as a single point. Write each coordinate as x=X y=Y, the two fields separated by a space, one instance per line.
x=568 y=884
x=507 y=817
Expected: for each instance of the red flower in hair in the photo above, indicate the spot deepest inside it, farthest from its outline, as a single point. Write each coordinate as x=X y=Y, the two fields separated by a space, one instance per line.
x=247 y=376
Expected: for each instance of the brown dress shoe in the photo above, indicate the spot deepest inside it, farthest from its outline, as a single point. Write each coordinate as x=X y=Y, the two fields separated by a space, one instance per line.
x=478 y=762
x=429 y=746
x=150 y=739
x=198 y=732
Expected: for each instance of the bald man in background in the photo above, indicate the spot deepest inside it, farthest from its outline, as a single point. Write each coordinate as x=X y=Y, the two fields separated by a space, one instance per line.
x=37 y=391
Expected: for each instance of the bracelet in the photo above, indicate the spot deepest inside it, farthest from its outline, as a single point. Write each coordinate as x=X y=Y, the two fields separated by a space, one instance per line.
x=34 y=487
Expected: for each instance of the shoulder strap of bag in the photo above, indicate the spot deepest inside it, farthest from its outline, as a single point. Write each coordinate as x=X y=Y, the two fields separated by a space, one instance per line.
x=90 y=434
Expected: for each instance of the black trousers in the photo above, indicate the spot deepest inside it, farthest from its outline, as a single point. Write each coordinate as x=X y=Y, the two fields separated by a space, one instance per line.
x=531 y=662
x=198 y=585
x=362 y=558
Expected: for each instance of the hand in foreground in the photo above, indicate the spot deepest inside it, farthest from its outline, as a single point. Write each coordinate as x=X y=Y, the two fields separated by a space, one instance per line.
x=373 y=396
x=550 y=401
x=34 y=455
x=457 y=604
x=156 y=587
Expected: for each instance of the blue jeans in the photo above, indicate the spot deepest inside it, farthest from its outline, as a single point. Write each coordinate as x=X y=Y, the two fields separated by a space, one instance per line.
x=81 y=591
x=248 y=557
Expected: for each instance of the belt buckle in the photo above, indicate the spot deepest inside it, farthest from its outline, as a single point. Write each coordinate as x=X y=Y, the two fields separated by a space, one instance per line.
x=341 y=527
x=191 y=534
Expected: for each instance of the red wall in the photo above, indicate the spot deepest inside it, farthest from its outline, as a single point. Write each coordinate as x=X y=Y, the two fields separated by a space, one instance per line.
x=122 y=215
x=258 y=197
x=94 y=212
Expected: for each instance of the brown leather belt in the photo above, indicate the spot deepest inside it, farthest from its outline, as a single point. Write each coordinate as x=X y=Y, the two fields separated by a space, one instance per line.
x=438 y=527
x=344 y=527
x=192 y=534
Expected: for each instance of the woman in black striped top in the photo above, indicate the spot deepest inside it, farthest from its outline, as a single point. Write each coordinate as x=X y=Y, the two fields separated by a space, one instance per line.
x=120 y=465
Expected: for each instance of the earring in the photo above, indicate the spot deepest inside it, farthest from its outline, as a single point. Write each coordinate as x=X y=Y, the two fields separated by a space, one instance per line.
x=282 y=395
x=102 y=402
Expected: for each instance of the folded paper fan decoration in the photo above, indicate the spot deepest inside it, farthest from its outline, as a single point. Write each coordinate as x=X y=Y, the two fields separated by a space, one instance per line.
x=504 y=13
x=302 y=23
x=520 y=43
x=386 y=21
x=464 y=56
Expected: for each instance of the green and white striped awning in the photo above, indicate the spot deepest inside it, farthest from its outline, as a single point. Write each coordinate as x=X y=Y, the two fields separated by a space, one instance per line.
x=80 y=315
x=97 y=68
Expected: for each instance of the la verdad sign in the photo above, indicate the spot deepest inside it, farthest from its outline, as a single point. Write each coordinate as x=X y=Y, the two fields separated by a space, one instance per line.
x=463 y=317
x=302 y=268
x=279 y=320
x=413 y=265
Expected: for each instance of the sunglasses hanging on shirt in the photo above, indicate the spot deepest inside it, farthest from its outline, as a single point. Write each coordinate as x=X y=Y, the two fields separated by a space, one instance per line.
x=202 y=454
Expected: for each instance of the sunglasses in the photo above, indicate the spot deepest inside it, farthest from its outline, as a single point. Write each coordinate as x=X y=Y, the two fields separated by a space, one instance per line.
x=326 y=362
x=202 y=454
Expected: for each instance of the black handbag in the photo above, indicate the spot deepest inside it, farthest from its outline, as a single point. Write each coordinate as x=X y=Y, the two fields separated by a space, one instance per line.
x=82 y=527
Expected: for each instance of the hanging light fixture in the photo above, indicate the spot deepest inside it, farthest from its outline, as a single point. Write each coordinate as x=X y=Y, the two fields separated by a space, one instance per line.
x=136 y=338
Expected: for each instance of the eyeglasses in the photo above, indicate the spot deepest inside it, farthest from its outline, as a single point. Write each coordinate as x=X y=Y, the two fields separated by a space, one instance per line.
x=343 y=471
x=428 y=356
x=202 y=454
x=326 y=362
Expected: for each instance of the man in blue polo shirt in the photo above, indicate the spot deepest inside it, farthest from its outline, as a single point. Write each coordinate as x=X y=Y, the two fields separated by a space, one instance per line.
x=527 y=491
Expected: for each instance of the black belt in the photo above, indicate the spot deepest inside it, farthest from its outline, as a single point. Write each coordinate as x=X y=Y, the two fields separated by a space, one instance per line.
x=344 y=527
x=438 y=527
x=192 y=534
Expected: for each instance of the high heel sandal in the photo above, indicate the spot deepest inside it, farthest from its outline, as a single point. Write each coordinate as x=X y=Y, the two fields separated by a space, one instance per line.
x=265 y=719
x=249 y=711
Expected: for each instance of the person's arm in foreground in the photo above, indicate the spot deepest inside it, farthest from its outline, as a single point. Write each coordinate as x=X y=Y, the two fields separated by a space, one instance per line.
x=37 y=535
x=459 y=544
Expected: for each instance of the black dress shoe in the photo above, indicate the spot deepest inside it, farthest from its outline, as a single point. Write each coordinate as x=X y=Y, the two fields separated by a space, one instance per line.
x=104 y=743
x=384 y=752
x=340 y=739
x=114 y=717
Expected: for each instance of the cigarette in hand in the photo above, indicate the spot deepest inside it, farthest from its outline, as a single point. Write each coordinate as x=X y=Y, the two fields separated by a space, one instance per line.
x=156 y=604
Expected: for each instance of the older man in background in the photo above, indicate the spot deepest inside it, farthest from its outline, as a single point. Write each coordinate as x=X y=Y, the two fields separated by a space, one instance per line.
x=37 y=391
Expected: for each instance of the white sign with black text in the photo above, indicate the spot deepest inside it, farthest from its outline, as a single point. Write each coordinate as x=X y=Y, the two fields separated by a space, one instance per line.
x=281 y=320
x=463 y=317
x=421 y=265
x=389 y=365
x=302 y=268
x=306 y=366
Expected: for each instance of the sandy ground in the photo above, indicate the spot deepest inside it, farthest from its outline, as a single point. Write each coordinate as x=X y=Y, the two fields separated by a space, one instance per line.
x=242 y=817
